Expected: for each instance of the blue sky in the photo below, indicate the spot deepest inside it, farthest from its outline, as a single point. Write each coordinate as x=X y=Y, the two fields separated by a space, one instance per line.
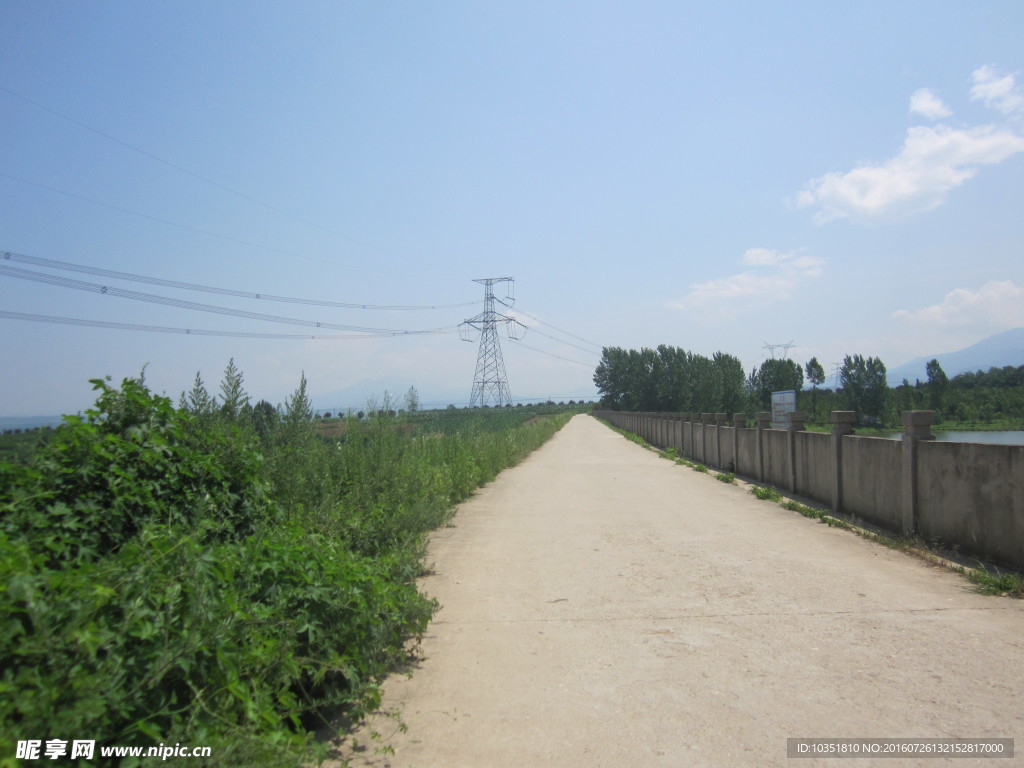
x=848 y=177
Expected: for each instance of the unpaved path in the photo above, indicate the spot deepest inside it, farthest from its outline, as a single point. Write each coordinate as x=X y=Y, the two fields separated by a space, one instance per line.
x=605 y=607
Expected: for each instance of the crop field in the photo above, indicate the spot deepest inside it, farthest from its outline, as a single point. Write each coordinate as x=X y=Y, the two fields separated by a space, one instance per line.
x=221 y=574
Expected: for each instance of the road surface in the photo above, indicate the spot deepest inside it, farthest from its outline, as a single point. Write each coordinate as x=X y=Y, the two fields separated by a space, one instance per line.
x=605 y=607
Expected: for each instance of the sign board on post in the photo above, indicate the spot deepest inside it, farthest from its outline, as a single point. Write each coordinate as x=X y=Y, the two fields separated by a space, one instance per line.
x=783 y=404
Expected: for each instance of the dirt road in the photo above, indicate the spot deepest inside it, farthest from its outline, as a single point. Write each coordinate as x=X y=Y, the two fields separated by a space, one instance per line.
x=605 y=607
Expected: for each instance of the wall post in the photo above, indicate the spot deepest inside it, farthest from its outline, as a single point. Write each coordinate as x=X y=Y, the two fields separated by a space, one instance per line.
x=719 y=423
x=842 y=424
x=764 y=421
x=705 y=420
x=917 y=425
x=795 y=423
x=694 y=422
x=739 y=421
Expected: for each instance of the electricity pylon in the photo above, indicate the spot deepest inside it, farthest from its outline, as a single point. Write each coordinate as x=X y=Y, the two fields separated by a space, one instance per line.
x=784 y=347
x=490 y=380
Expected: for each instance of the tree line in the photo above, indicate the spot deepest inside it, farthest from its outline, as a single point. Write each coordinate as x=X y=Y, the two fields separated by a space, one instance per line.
x=672 y=379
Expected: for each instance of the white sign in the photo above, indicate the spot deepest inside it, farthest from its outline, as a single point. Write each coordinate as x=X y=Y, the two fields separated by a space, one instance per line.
x=783 y=404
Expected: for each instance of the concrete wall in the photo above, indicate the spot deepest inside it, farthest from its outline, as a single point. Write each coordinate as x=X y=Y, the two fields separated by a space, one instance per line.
x=747 y=464
x=711 y=447
x=815 y=464
x=973 y=494
x=872 y=471
x=966 y=495
x=775 y=450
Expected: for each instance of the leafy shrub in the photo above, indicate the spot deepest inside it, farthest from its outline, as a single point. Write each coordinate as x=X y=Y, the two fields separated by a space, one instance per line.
x=217 y=576
x=132 y=459
x=726 y=477
x=766 y=493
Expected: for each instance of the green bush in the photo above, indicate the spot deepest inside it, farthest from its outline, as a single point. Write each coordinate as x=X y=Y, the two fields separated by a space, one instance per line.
x=132 y=459
x=766 y=493
x=219 y=576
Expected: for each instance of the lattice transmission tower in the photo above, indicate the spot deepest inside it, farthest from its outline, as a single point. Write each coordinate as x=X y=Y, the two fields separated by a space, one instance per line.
x=490 y=381
x=784 y=347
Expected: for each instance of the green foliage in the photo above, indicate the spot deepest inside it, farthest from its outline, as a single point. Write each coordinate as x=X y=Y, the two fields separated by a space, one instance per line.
x=814 y=372
x=19 y=446
x=766 y=493
x=775 y=376
x=865 y=389
x=816 y=376
x=198 y=400
x=726 y=477
x=701 y=468
x=234 y=400
x=220 y=574
x=298 y=410
x=130 y=460
x=988 y=583
x=937 y=384
x=669 y=379
x=412 y=400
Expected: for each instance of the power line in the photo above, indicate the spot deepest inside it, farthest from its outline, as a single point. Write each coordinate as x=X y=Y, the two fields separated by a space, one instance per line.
x=191 y=331
x=562 y=341
x=81 y=285
x=9 y=256
x=549 y=325
x=552 y=354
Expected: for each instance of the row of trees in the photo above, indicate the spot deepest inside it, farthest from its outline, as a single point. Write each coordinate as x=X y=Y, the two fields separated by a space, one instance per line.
x=672 y=379
x=669 y=379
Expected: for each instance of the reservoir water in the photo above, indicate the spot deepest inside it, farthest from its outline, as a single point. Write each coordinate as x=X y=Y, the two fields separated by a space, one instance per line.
x=1007 y=437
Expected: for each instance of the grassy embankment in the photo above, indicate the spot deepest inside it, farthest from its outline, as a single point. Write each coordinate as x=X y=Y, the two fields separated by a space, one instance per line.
x=221 y=575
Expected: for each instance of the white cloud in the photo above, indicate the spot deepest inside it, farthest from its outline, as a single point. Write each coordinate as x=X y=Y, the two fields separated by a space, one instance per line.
x=997 y=90
x=759 y=257
x=933 y=161
x=775 y=276
x=924 y=102
x=997 y=305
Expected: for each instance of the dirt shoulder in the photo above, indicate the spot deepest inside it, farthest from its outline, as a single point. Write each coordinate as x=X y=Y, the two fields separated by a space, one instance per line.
x=605 y=607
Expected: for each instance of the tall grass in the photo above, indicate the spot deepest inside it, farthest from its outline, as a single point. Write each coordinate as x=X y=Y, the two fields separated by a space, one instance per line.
x=218 y=574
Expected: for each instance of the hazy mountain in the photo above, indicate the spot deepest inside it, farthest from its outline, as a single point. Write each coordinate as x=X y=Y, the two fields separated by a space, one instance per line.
x=1003 y=349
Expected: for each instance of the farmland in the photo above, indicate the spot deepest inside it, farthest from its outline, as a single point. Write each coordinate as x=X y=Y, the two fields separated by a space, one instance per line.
x=221 y=573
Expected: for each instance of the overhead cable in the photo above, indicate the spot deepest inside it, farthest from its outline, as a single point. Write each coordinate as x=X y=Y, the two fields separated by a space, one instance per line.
x=81 y=285
x=562 y=341
x=190 y=331
x=552 y=354
x=53 y=263
x=549 y=325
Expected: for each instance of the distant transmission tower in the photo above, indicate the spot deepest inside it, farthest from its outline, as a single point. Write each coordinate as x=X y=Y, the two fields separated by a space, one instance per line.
x=490 y=381
x=784 y=347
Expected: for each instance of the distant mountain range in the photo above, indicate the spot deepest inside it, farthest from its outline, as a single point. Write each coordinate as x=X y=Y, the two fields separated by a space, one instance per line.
x=997 y=351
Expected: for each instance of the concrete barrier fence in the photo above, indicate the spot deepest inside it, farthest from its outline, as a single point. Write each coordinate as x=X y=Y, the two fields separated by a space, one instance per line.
x=965 y=495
